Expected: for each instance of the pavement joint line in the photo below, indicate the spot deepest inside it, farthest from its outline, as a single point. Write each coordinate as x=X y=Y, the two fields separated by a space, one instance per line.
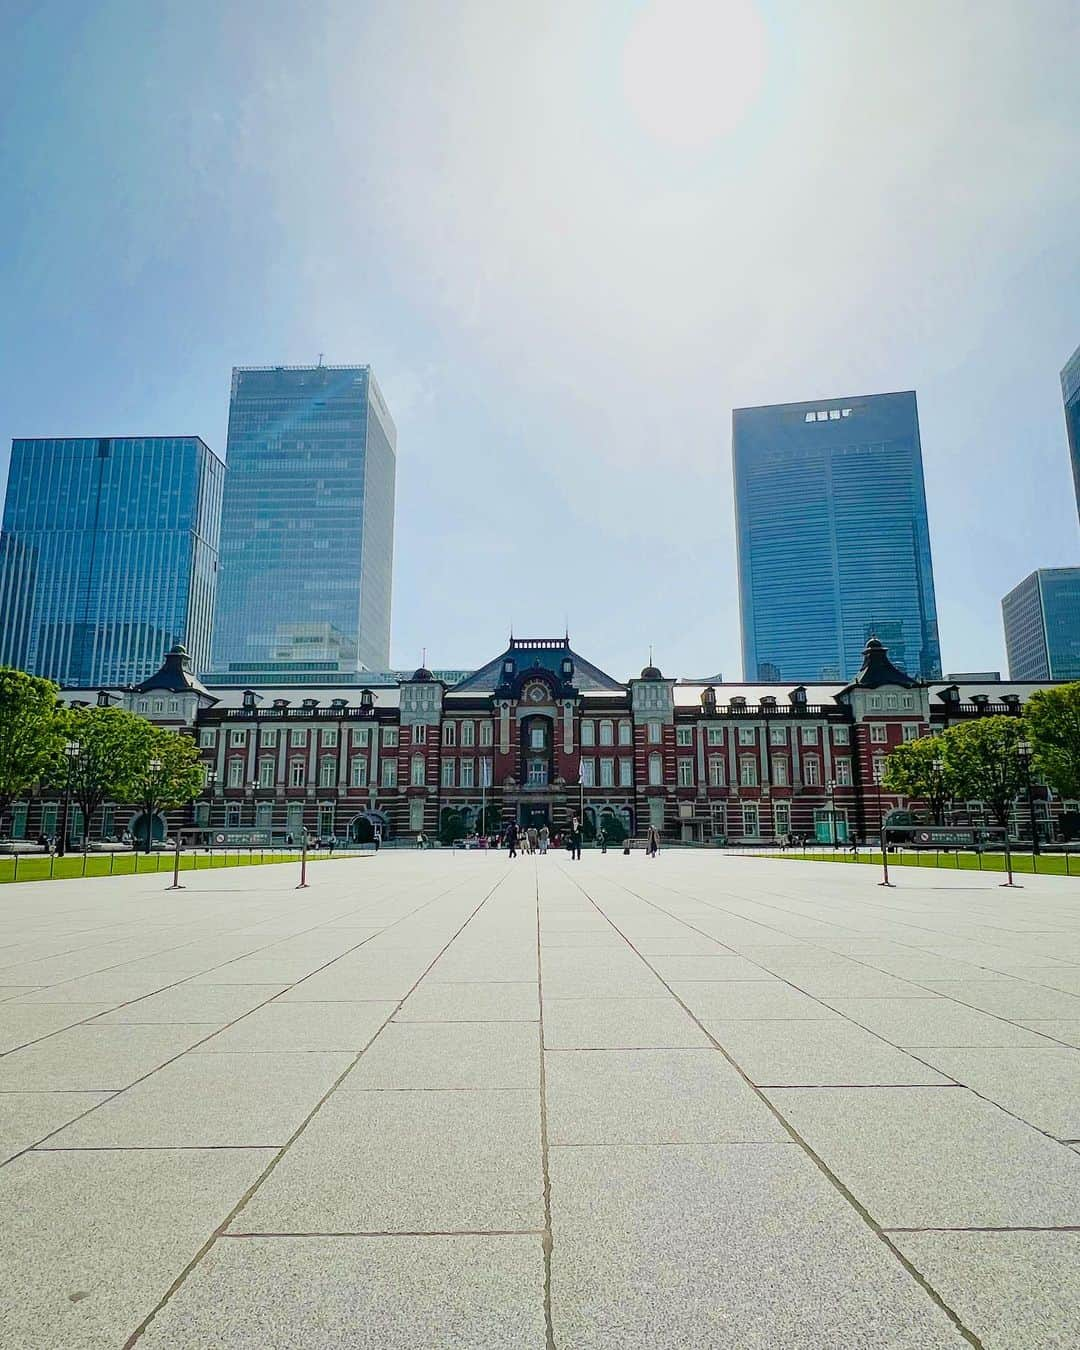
x=997 y=1228
x=191 y=1049
x=272 y=1164
x=398 y=1232
x=909 y=1051
x=547 y=1240
x=797 y=1138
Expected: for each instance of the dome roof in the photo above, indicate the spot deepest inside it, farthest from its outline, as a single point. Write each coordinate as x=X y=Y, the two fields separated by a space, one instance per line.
x=652 y=673
x=422 y=675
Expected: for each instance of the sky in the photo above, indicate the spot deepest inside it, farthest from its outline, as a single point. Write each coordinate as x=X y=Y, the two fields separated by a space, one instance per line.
x=569 y=238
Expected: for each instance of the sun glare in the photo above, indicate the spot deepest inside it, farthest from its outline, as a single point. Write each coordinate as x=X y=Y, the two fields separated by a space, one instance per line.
x=692 y=69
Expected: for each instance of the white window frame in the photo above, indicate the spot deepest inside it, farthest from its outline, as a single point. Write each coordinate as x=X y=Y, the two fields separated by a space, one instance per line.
x=389 y=738
x=780 y=771
x=297 y=736
x=686 y=772
x=468 y=731
x=778 y=735
x=684 y=737
x=588 y=772
x=656 y=769
x=812 y=771
x=267 y=771
x=879 y=733
x=388 y=772
x=841 y=736
x=747 y=736
x=626 y=733
x=748 y=771
x=716 y=771
x=626 y=772
x=296 y=773
x=714 y=735
x=810 y=736
x=588 y=732
x=418 y=771
x=607 y=732
x=358 y=771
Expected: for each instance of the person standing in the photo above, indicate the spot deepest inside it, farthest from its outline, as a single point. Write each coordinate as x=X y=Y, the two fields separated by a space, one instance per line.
x=533 y=838
x=512 y=839
x=602 y=837
x=575 y=840
x=652 y=842
x=545 y=839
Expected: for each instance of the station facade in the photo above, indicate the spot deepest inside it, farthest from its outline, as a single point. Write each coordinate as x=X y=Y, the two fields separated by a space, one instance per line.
x=540 y=734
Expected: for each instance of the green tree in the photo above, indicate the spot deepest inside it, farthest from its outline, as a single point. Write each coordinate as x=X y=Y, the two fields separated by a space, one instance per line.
x=614 y=828
x=451 y=825
x=112 y=745
x=1053 y=720
x=167 y=774
x=489 y=820
x=32 y=729
x=982 y=759
x=919 y=769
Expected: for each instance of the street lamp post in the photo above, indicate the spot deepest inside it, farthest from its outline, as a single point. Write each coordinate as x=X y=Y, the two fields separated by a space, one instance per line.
x=1023 y=751
x=71 y=752
x=253 y=785
x=832 y=812
x=881 y=826
x=938 y=768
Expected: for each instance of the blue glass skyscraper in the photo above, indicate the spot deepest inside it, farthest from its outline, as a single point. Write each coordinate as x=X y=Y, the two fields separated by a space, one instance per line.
x=1070 y=393
x=307 y=531
x=108 y=555
x=833 y=539
x=1042 y=625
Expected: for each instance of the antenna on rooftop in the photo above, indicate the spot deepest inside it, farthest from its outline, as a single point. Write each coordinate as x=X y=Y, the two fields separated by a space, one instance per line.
x=320 y=358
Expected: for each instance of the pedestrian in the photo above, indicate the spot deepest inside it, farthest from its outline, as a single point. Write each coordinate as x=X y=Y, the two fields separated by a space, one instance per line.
x=511 y=839
x=575 y=840
x=545 y=839
x=533 y=837
x=652 y=842
x=378 y=838
x=420 y=839
x=602 y=836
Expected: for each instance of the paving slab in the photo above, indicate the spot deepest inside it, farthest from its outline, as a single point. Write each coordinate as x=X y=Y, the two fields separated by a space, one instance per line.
x=1069 y=1032
x=509 y=1001
x=110 y=986
x=1040 y=1085
x=95 y=1058
x=851 y=981
x=750 y=999
x=213 y=1100
x=600 y=973
x=27 y=1117
x=933 y=1021
x=925 y=1157
x=712 y=966
x=108 y=1234
x=201 y=1003
x=451 y=1055
x=688 y=944
x=21 y=1024
x=1014 y=999
x=651 y=1097
x=415 y=1161
x=301 y=1027
x=356 y=1293
x=1064 y=978
x=815 y=1054
x=619 y=1024
x=1015 y=1291
x=740 y=1245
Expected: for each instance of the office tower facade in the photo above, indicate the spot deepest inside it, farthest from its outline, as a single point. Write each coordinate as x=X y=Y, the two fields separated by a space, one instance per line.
x=833 y=539
x=108 y=555
x=1070 y=393
x=1042 y=625
x=307 y=534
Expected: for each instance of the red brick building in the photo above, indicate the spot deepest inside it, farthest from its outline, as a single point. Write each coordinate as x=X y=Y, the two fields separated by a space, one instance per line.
x=538 y=734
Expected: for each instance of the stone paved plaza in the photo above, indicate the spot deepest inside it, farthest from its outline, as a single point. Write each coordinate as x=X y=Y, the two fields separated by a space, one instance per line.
x=445 y=1100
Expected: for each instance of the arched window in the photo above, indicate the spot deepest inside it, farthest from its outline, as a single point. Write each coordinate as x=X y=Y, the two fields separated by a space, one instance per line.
x=417 y=775
x=327 y=771
x=266 y=772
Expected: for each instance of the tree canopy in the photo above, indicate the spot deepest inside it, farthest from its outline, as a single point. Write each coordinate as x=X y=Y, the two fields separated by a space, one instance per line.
x=919 y=769
x=982 y=758
x=112 y=746
x=1053 y=719
x=168 y=773
x=32 y=731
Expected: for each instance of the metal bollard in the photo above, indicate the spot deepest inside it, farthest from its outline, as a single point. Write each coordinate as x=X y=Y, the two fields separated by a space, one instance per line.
x=176 y=867
x=303 y=864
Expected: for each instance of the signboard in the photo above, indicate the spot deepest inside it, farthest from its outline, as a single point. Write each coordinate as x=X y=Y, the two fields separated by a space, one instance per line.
x=240 y=838
x=942 y=836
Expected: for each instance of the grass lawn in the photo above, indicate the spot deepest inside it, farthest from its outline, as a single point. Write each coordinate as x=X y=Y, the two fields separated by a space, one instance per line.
x=39 y=867
x=1048 y=865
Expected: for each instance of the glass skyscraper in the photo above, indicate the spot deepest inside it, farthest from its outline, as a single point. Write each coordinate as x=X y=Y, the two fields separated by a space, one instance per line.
x=833 y=540
x=1042 y=625
x=307 y=529
x=1070 y=393
x=108 y=556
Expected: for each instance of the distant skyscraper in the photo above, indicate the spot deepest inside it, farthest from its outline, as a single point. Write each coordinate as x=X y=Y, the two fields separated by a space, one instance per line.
x=307 y=530
x=1070 y=392
x=1042 y=625
x=108 y=555
x=833 y=538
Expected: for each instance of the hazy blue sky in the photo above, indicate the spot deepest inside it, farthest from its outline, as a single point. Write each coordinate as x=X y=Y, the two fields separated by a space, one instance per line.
x=569 y=237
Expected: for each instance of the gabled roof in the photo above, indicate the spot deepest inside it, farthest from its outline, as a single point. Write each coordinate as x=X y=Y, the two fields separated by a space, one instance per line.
x=175 y=677
x=539 y=654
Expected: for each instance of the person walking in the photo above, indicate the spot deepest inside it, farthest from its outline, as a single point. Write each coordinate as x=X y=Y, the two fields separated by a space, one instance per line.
x=602 y=837
x=511 y=839
x=545 y=839
x=575 y=840
x=420 y=840
x=652 y=842
x=533 y=837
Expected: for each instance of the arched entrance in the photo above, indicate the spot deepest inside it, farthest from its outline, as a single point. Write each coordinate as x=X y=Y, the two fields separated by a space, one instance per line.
x=138 y=827
x=362 y=827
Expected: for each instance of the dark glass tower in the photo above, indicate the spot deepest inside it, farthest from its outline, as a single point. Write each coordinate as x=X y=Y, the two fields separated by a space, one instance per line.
x=1070 y=393
x=307 y=528
x=1042 y=625
x=108 y=555
x=833 y=540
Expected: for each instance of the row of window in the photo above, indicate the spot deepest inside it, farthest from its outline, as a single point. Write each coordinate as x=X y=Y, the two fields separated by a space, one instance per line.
x=450 y=733
x=298 y=736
